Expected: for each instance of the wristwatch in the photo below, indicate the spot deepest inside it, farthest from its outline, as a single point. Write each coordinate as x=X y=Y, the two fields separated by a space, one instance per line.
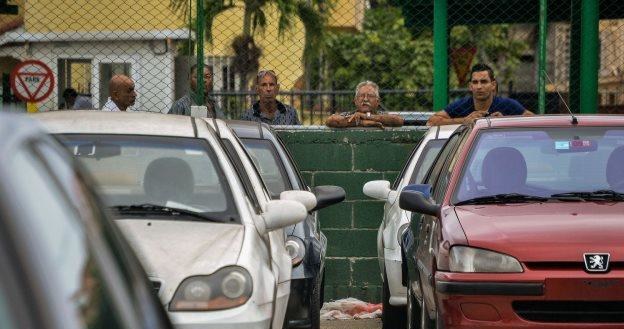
x=368 y=115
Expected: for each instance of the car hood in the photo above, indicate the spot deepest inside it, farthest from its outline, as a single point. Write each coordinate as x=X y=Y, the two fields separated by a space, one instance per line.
x=546 y=231
x=171 y=251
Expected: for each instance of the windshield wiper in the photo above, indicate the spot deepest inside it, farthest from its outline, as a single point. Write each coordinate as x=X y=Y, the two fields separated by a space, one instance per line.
x=598 y=195
x=154 y=208
x=503 y=198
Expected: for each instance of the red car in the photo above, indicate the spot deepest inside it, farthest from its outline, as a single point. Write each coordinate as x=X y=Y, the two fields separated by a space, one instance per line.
x=520 y=225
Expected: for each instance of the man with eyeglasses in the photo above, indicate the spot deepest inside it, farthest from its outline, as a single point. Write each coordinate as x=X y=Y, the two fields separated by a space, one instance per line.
x=183 y=105
x=366 y=115
x=268 y=109
x=482 y=103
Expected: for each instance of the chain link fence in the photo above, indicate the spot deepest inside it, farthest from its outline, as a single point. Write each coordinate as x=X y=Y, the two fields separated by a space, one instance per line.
x=320 y=50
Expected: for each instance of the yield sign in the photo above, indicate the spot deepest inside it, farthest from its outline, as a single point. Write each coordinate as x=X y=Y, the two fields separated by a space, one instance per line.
x=32 y=81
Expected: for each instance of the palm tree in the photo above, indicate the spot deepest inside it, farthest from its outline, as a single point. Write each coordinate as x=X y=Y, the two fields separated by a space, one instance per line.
x=312 y=13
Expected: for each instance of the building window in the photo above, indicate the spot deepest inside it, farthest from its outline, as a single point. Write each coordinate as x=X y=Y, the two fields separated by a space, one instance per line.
x=107 y=71
x=76 y=74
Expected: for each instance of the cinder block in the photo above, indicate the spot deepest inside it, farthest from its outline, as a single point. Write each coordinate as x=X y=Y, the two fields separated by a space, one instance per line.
x=381 y=156
x=352 y=182
x=308 y=177
x=337 y=216
x=351 y=243
x=365 y=272
x=337 y=271
x=322 y=157
x=368 y=214
x=391 y=176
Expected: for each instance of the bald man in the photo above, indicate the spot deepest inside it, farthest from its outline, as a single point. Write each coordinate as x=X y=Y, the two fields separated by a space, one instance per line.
x=122 y=94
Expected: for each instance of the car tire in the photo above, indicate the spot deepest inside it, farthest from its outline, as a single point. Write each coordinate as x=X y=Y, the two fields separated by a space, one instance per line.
x=413 y=308
x=392 y=317
x=315 y=304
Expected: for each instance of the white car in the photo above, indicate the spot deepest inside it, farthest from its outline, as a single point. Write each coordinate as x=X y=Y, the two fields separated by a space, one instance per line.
x=396 y=221
x=189 y=203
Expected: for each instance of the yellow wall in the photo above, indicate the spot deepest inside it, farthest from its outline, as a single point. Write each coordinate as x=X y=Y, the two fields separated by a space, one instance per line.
x=280 y=53
x=99 y=15
x=6 y=19
x=347 y=14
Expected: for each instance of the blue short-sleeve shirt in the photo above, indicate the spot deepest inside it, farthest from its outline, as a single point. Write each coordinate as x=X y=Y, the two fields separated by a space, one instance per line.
x=464 y=106
x=286 y=115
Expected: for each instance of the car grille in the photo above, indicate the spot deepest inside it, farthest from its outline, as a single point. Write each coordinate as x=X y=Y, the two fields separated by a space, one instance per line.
x=571 y=311
x=156 y=286
x=566 y=266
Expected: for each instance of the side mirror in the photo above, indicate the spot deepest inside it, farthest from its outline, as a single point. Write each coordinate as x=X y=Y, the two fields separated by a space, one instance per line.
x=304 y=197
x=377 y=189
x=425 y=189
x=327 y=195
x=415 y=201
x=282 y=213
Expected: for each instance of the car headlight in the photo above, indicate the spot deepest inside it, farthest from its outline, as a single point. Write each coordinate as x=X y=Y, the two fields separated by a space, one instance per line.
x=467 y=259
x=400 y=232
x=296 y=249
x=228 y=287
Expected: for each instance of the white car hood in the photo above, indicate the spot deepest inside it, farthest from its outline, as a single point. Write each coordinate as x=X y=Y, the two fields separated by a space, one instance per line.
x=171 y=251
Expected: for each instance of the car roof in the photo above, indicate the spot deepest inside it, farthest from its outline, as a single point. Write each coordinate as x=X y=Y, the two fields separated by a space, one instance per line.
x=441 y=132
x=249 y=129
x=562 y=120
x=15 y=126
x=122 y=123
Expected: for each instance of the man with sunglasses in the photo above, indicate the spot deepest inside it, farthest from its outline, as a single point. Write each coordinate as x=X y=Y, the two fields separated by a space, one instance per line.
x=268 y=109
x=482 y=103
x=366 y=115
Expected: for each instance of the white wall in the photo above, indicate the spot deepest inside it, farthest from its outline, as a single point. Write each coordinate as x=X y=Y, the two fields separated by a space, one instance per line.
x=153 y=73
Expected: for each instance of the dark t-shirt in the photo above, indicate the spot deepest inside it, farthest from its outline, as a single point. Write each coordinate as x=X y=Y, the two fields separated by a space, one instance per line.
x=463 y=107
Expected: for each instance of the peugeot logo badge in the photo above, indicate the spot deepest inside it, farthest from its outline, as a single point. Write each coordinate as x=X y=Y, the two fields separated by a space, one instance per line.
x=596 y=262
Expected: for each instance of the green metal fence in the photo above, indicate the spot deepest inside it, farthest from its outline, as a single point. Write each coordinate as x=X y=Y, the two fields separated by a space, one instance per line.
x=418 y=51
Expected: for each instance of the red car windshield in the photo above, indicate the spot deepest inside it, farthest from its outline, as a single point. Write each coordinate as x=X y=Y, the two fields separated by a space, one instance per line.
x=543 y=162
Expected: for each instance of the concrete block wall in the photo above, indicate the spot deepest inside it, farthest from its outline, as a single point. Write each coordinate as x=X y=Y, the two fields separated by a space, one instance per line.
x=349 y=158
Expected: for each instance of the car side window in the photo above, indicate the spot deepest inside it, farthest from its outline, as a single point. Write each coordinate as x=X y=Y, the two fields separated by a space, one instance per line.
x=446 y=170
x=240 y=170
x=55 y=224
x=267 y=161
x=428 y=154
x=399 y=178
x=437 y=170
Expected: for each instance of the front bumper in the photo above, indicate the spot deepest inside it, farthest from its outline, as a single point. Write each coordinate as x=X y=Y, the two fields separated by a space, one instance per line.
x=247 y=316
x=298 y=311
x=394 y=277
x=530 y=300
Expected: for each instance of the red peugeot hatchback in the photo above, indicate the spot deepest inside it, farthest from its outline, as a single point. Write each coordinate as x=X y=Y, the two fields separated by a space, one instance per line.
x=520 y=225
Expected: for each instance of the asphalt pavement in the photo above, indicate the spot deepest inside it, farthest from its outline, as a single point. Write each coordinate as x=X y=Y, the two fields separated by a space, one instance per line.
x=351 y=324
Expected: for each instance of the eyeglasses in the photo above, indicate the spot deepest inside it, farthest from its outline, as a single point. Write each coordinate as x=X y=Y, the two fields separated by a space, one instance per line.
x=363 y=96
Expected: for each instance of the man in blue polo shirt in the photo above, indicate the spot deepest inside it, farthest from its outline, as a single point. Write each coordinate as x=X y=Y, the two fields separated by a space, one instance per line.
x=483 y=101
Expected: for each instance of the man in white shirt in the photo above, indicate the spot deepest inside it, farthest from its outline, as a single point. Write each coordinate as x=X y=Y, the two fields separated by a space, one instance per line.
x=122 y=94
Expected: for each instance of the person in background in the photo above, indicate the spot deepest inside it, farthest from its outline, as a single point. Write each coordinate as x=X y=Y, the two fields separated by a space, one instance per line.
x=268 y=109
x=122 y=94
x=483 y=101
x=73 y=101
x=366 y=112
x=183 y=105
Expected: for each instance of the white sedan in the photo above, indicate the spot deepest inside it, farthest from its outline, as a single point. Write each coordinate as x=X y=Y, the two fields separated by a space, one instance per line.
x=396 y=221
x=188 y=200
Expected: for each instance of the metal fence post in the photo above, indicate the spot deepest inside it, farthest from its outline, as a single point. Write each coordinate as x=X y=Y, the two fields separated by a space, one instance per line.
x=440 y=54
x=589 y=56
x=201 y=24
x=541 y=87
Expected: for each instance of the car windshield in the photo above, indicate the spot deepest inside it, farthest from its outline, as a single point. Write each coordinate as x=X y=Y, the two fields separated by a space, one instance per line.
x=162 y=176
x=576 y=163
x=267 y=161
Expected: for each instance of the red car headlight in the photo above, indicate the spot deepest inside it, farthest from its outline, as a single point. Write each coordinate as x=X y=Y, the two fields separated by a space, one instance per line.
x=467 y=259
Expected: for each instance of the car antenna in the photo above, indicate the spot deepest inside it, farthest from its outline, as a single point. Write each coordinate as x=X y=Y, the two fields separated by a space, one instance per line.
x=574 y=119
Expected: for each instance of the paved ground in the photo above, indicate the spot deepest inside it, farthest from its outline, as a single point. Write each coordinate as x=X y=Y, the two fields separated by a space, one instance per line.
x=351 y=324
